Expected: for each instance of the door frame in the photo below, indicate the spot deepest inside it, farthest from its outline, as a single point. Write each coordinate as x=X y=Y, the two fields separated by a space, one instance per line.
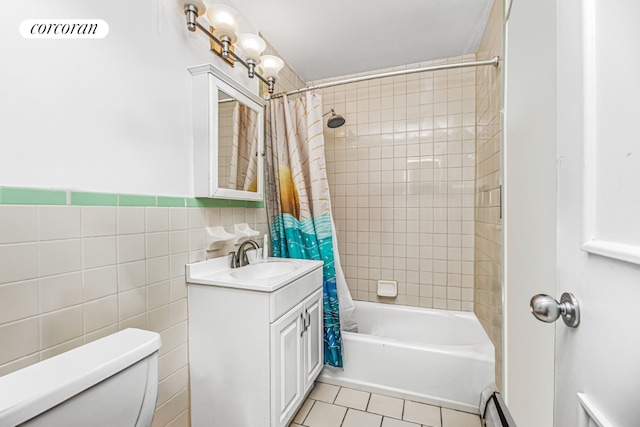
x=529 y=173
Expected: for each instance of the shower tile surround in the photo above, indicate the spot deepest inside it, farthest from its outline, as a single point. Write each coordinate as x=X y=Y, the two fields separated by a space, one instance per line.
x=402 y=178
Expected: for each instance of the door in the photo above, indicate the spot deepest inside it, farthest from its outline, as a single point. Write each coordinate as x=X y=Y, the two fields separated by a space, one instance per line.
x=598 y=363
x=286 y=353
x=313 y=344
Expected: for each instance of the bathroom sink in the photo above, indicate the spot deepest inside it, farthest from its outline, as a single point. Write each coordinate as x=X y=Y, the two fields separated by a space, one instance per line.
x=266 y=275
x=264 y=270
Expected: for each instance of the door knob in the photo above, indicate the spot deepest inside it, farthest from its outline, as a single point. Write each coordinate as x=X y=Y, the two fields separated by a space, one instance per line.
x=547 y=309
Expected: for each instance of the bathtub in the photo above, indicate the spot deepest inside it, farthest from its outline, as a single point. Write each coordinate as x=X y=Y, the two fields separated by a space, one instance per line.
x=438 y=357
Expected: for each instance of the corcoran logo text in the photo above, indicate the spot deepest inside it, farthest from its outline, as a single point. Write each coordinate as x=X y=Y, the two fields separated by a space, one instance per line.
x=64 y=28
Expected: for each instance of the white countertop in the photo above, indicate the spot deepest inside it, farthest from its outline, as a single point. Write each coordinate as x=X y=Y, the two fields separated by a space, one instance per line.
x=217 y=272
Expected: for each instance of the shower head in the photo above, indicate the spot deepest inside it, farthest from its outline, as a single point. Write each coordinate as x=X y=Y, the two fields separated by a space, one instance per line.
x=335 y=121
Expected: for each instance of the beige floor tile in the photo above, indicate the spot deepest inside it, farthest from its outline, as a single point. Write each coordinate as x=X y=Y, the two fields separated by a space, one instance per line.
x=426 y=415
x=333 y=406
x=355 y=418
x=392 y=422
x=303 y=411
x=324 y=392
x=451 y=418
x=325 y=415
x=384 y=405
x=352 y=398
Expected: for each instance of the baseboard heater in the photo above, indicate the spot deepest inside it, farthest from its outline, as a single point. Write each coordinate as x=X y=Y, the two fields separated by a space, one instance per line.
x=493 y=409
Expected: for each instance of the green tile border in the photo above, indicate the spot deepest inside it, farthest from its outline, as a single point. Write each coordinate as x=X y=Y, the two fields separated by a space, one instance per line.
x=254 y=205
x=32 y=196
x=135 y=200
x=93 y=199
x=206 y=203
x=172 y=202
x=39 y=196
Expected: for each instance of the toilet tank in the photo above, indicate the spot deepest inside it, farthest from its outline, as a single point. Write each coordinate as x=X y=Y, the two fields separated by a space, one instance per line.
x=109 y=382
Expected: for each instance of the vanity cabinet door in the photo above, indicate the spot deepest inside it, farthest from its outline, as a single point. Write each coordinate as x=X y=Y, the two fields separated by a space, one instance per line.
x=312 y=339
x=286 y=365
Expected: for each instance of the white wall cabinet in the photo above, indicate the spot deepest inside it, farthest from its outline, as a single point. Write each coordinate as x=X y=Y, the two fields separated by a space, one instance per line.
x=254 y=353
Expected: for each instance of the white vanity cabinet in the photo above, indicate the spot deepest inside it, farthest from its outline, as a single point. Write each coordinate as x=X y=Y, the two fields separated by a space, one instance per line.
x=297 y=352
x=255 y=346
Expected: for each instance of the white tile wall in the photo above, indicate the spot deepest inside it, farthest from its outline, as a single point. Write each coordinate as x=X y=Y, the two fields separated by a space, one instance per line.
x=18 y=301
x=131 y=248
x=130 y=220
x=23 y=259
x=59 y=256
x=98 y=251
x=157 y=219
x=74 y=274
x=99 y=282
x=24 y=220
x=402 y=179
x=99 y=221
x=57 y=292
x=58 y=222
x=22 y=337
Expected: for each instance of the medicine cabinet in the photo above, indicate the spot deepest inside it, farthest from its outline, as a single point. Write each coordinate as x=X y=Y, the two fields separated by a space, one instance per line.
x=228 y=133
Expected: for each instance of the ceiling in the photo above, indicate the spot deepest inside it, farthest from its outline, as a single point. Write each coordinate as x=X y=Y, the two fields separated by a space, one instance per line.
x=329 y=38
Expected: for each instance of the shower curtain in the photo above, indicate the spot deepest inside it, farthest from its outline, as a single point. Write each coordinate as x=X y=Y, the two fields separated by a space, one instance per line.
x=244 y=165
x=298 y=203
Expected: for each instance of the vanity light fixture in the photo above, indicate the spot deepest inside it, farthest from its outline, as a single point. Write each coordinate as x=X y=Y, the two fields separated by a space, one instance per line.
x=225 y=22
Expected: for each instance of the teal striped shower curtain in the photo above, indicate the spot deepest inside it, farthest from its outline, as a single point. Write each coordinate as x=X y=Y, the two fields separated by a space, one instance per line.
x=297 y=199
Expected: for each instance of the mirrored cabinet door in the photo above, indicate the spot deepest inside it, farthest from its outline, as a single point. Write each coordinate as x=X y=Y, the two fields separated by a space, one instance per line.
x=238 y=144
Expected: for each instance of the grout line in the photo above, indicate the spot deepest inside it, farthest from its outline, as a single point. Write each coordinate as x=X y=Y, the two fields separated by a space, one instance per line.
x=366 y=408
x=310 y=408
x=336 y=396
x=344 y=416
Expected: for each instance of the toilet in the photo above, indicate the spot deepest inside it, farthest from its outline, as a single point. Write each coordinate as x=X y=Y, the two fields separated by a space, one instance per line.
x=109 y=382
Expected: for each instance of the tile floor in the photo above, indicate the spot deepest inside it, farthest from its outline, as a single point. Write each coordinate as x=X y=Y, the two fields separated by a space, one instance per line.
x=333 y=406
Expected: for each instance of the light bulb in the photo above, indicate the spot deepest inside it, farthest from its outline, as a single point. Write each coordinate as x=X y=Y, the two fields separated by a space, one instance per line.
x=224 y=20
x=252 y=46
x=271 y=65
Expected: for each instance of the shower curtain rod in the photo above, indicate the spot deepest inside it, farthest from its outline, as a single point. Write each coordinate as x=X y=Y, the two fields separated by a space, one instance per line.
x=494 y=61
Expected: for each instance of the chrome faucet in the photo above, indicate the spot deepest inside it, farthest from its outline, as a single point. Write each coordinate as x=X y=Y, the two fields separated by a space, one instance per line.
x=239 y=259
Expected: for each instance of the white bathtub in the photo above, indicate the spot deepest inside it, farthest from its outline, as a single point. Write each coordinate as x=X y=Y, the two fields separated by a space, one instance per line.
x=431 y=356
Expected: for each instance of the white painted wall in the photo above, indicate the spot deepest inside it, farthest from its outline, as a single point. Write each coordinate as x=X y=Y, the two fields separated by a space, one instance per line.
x=529 y=208
x=110 y=115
